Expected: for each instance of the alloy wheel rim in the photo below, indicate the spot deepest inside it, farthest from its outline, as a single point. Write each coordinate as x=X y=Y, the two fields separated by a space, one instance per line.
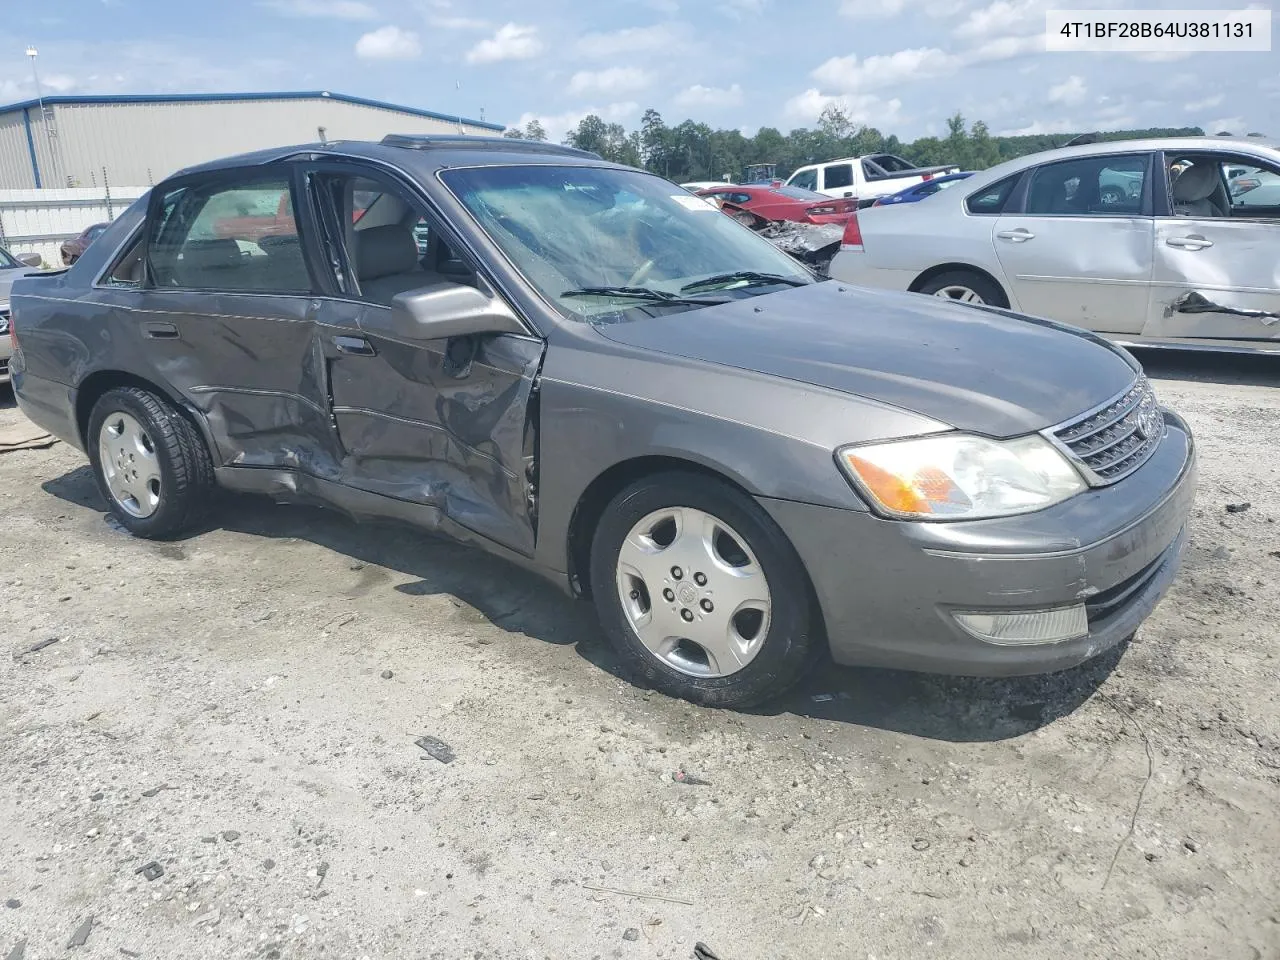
x=693 y=592
x=129 y=464
x=956 y=291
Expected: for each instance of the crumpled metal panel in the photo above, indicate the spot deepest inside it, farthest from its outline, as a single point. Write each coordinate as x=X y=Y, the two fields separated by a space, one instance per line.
x=1193 y=302
x=443 y=426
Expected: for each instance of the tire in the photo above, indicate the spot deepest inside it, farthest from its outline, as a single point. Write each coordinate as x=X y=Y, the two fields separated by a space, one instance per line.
x=169 y=448
x=783 y=638
x=953 y=284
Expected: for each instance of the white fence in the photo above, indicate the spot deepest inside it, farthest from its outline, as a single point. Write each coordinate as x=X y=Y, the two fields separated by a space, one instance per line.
x=41 y=220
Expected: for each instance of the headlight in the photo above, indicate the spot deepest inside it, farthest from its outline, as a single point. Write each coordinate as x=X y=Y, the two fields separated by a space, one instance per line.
x=958 y=477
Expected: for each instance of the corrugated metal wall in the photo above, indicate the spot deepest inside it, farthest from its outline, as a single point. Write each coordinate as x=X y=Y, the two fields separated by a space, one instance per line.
x=15 y=154
x=145 y=142
x=40 y=220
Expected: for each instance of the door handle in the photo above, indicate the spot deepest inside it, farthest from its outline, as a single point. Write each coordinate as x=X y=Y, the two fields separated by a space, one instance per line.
x=160 y=331
x=356 y=346
x=1193 y=242
x=1017 y=236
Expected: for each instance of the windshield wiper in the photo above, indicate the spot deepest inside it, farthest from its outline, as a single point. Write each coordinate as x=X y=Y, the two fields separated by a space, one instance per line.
x=748 y=278
x=644 y=294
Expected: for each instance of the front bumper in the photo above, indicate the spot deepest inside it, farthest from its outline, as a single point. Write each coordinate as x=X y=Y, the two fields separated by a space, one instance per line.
x=888 y=588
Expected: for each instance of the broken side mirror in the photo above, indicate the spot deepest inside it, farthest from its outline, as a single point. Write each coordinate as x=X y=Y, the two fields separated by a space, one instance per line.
x=444 y=310
x=29 y=259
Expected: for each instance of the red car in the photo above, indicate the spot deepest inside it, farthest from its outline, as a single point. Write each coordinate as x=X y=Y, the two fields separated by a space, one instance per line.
x=76 y=246
x=779 y=202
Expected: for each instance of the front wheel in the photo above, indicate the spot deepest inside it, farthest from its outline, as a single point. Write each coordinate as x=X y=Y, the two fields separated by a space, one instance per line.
x=966 y=287
x=151 y=463
x=700 y=593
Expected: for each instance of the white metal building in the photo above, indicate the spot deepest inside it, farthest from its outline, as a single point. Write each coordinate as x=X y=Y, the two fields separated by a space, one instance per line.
x=92 y=142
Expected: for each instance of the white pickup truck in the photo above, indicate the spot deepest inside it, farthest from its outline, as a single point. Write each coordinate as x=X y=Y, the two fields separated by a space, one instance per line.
x=866 y=178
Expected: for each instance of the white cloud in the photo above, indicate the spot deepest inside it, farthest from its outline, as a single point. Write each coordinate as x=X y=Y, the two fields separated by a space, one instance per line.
x=629 y=42
x=459 y=23
x=849 y=74
x=871 y=9
x=1208 y=103
x=610 y=82
x=511 y=42
x=1071 y=91
x=558 y=125
x=700 y=96
x=1003 y=18
x=1235 y=125
x=331 y=9
x=1039 y=127
x=860 y=108
x=742 y=8
x=1162 y=56
x=388 y=43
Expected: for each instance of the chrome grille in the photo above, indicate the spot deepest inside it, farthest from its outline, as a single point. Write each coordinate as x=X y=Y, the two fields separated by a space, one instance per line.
x=1112 y=441
x=4 y=320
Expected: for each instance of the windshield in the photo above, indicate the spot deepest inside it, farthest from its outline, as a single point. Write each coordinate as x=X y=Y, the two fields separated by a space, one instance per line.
x=7 y=262
x=575 y=228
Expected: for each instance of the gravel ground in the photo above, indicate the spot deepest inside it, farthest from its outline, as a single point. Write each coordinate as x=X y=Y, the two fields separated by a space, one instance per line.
x=240 y=709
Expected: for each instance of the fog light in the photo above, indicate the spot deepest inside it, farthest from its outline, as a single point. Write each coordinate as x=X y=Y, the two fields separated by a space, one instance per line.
x=1027 y=626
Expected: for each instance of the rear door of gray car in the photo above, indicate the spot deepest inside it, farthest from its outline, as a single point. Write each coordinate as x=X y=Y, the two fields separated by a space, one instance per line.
x=224 y=315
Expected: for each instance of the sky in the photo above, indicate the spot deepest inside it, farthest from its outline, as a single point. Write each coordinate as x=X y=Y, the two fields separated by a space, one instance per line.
x=902 y=66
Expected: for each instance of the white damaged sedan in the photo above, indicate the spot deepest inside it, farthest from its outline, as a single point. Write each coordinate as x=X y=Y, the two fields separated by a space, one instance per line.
x=1163 y=242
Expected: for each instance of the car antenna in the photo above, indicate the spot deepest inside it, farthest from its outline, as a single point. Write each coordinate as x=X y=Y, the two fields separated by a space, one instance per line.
x=1083 y=139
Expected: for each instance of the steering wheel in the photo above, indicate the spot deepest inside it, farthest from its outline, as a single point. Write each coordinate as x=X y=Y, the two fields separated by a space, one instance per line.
x=642 y=271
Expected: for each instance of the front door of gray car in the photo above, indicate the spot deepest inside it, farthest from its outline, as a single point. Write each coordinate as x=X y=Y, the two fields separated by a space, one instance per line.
x=224 y=317
x=1079 y=249
x=448 y=423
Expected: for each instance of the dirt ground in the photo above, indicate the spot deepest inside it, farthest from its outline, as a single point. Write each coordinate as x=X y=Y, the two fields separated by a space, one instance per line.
x=241 y=708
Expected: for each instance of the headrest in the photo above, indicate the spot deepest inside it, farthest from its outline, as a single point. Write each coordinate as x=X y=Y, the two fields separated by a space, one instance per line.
x=383 y=251
x=211 y=254
x=1196 y=182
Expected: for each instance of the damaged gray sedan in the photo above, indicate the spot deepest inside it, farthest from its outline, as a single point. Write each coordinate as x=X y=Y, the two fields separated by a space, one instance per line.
x=585 y=370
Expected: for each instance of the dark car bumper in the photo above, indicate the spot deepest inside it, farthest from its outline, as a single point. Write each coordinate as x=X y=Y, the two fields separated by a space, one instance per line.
x=889 y=589
x=46 y=403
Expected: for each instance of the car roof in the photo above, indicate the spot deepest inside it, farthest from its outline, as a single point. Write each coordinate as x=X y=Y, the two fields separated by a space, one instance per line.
x=425 y=153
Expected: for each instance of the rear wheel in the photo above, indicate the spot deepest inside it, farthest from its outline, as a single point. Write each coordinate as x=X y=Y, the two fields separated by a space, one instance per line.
x=966 y=286
x=151 y=463
x=700 y=593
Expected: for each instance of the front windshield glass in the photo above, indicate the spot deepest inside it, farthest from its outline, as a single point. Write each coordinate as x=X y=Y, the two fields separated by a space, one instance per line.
x=576 y=228
x=7 y=262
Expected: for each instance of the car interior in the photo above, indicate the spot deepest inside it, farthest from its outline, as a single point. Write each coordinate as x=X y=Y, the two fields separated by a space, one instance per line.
x=1089 y=186
x=1200 y=186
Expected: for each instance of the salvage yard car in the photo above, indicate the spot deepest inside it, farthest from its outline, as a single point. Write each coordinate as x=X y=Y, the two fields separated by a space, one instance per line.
x=11 y=268
x=595 y=375
x=865 y=178
x=755 y=204
x=1159 y=243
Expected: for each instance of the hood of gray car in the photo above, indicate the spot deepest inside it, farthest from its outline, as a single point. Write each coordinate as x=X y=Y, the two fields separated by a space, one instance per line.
x=979 y=370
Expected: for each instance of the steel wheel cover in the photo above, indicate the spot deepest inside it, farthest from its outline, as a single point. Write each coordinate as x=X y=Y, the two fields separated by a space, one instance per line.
x=956 y=291
x=129 y=464
x=693 y=592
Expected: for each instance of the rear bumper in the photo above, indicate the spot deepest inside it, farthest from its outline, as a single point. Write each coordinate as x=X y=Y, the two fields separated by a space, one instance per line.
x=46 y=403
x=888 y=589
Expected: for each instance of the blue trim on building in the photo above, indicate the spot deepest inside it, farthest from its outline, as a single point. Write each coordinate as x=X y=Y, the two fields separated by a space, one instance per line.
x=31 y=145
x=73 y=101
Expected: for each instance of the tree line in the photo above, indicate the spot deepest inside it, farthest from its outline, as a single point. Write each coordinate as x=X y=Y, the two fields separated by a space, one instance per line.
x=694 y=151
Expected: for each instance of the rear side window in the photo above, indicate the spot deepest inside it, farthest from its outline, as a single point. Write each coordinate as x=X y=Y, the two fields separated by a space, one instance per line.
x=236 y=237
x=805 y=180
x=1089 y=186
x=991 y=200
x=837 y=175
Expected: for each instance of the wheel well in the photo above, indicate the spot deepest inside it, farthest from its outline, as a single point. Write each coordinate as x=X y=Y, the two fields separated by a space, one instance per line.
x=100 y=381
x=937 y=271
x=590 y=506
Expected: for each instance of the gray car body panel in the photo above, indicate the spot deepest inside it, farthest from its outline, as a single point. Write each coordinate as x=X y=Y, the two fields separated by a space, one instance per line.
x=761 y=391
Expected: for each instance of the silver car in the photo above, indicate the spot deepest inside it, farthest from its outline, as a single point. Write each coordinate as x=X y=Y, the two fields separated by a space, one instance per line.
x=1167 y=242
x=11 y=268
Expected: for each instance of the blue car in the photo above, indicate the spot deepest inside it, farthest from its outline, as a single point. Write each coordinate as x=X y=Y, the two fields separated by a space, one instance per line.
x=921 y=190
